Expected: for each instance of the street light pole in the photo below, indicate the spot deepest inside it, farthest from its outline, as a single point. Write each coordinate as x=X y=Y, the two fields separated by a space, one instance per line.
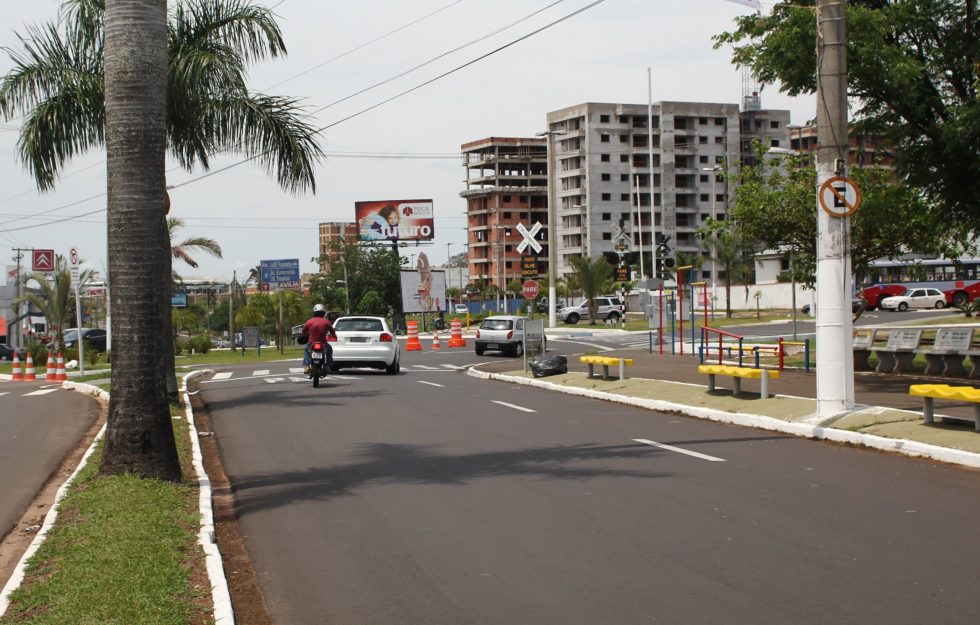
x=552 y=231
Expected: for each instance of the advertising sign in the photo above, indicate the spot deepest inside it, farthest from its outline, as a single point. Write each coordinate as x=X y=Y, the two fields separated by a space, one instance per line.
x=423 y=292
x=43 y=260
x=395 y=220
x=178 y=300
x=280 y=274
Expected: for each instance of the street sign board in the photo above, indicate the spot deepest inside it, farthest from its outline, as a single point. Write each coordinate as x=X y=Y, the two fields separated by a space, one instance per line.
x=74 y=277
x=839 y=197
x=280 y=274
x=531 y=289
x=623 y=273
x=73 y=256
x=529 y=237
x=178 y=300
x=529 y=266
x=43 y=260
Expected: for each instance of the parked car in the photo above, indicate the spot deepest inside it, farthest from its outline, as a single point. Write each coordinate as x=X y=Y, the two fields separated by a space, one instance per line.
x=461 y=309
x=873 y=294
x=503 y=333
x=609 y=307
x=915 y=298
x=7 y=352
x=95 y=338
x=364 y=341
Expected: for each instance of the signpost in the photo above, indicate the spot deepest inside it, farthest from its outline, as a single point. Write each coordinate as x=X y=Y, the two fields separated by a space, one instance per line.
x=282 y=274
x=73 y=256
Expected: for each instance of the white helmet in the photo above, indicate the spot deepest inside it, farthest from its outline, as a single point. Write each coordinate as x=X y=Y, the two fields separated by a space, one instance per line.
x=319 y=308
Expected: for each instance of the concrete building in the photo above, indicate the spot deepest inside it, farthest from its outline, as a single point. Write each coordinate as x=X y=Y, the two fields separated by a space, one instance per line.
x=333 y=232
x=864 y=149
x=506 y=184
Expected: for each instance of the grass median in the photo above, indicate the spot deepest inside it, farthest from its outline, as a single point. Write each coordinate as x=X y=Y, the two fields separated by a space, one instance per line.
x=123 y=550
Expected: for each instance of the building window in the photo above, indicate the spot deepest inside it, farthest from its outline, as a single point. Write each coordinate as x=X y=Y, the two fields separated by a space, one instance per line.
x=606 y=177
x=703 y=140
x=720 y=197
x=719 y=121
x=625 y=197
x=784 y=263
x=704 y=177
x=606 y=197
x=624 y=177
x=774 y=124
x=624 y=119
x=506 y=213
x=607 y=236
x=703 y=121
x=606 y=216
x=604 y=158
x=505 y=198
x=719 y=140
x=624 y=158
x=774 y=143
x=604 y=119
x=702 y=159
x=604 y=138
x=624 y=138
x=704 y=197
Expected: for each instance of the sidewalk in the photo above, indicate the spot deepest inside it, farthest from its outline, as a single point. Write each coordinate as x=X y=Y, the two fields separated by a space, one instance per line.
x=885 y=416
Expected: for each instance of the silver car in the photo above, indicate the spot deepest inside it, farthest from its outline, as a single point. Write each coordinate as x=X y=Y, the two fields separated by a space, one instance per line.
x=503 y=333
x=365 y=342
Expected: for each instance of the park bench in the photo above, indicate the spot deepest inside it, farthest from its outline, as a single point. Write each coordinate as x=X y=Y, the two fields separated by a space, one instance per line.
x=738 y=374
x=606 y=362
x=898 y=353
x=862 y=342
x=949 y=348
x=930 y=392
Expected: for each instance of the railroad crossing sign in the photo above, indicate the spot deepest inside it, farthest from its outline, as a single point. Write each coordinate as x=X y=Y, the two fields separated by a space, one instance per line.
x=529 y=237
x=619 y=234
x=840 y=197
x=530 y=289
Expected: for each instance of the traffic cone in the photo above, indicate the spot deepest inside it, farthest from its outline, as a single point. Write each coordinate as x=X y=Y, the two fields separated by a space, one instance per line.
x=17 y=377
x=61 y=369
x=413 y=344
x=50 y=369
x=435 y=341
x=29 y=375
x=456 y=337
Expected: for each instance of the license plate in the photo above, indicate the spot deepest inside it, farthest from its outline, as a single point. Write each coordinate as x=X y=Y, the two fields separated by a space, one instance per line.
x=358 y=339
x=317 y=356
x=493 y=346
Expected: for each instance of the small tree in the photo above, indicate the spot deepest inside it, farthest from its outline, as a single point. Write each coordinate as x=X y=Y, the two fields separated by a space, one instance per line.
x=595 y=277
x=53 y=298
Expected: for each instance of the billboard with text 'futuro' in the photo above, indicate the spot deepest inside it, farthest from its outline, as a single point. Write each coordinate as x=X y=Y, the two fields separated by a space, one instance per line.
x=395 y=220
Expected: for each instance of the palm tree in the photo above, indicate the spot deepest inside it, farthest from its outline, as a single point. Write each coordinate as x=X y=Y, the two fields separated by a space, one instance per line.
x=730 y=250
x=595 y=277
x=53 y=298
x=180 y=87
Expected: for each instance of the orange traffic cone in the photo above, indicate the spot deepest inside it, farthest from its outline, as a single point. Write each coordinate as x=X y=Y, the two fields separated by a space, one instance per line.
x=50 y=369
x=61 y=368
x=456 y=337
x=17 y=377
x=413 y=344
x=29 y=375
x=435 y=341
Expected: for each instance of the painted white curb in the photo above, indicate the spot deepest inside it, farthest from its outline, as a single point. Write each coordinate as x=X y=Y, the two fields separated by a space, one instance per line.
x=18 y=575
x=220 y=595
x=808 y=430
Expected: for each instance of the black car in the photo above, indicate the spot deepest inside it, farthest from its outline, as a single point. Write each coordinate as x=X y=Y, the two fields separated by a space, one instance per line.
x=7 y=352
x=95 y=338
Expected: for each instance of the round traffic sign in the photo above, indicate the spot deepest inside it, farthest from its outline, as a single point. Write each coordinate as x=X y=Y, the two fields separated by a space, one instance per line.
x=73 y=254
x=530 y=289
x=839 y=197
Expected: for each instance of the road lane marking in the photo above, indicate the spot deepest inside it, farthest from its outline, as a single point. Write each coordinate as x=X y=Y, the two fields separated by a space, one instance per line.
x=430 y=383
x=224 y=375
x=5 y=393
x=453 y=367
x=679 y=450
x=274 y=380
x=41 y=392
x=426 y=367
x=260 y=372
x=514 y=406
x=296 y=369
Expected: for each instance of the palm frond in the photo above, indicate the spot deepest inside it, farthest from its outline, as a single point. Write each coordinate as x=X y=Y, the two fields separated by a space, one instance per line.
x=249 y=29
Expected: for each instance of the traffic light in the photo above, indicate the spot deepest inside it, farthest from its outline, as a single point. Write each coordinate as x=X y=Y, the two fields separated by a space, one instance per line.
x=664 y=260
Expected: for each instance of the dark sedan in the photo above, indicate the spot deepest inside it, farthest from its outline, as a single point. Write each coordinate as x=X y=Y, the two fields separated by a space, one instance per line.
x=7 y=352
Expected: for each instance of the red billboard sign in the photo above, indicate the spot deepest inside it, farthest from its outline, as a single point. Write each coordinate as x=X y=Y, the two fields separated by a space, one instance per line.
x=43 y=260
x=395 y=220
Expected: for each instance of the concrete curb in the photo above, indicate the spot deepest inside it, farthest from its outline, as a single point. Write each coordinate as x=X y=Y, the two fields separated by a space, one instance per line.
x=902 y=446
x=220 y=595
x=17 y=577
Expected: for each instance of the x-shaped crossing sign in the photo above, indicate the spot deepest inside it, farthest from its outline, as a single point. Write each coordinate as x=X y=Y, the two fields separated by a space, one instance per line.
x=529 y=237
x=619 y=233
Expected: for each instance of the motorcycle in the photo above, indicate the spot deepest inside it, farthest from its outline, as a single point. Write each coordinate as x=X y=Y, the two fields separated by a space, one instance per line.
x=318 y=362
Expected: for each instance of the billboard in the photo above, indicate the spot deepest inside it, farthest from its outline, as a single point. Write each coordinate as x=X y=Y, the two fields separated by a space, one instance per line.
x=423 y=290
x=395 y=220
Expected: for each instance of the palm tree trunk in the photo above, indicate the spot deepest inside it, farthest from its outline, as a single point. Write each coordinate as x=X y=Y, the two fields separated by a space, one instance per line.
x=139 y=434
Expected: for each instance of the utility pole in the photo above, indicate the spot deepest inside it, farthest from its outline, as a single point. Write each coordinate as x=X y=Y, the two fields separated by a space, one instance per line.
x=552 y=230
x=835 y=363
x=231 y=311
x=17 y=339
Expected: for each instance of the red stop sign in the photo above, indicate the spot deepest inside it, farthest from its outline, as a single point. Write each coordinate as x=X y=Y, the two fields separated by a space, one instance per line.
x=530 y=289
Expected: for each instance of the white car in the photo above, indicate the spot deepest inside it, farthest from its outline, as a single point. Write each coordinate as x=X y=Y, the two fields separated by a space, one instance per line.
x=503 y=333
x=914 y=298
x=461 y=309
x=365 y=342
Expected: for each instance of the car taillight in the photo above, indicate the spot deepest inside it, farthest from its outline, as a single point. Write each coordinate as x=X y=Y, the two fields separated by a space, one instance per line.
x=331 y=339
x=477 y=334
x=510 y=335
x=386 y=338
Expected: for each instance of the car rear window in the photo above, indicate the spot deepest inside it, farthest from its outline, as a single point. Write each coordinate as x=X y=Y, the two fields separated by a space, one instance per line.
x=359 y=325
x=497 y=324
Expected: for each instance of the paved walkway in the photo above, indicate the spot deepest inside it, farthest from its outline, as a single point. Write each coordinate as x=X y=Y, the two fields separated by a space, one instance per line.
x=884 y=408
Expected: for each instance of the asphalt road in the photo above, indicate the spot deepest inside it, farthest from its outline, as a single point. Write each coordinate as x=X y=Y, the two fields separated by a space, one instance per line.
x=434 y=498
x=39 y=425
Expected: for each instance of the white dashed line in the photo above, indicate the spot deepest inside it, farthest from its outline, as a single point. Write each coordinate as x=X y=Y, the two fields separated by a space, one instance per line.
x=430 y=383
x=41 y=392
x=260 y=372
x=515 y=407
x=224 y=375
x=679 y=450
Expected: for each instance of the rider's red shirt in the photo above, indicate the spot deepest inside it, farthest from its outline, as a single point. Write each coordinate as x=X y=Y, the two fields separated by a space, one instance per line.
x=318 y=328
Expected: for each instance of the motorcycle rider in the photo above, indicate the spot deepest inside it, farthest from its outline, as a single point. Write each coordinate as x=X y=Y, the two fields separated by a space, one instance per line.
x=317 y=328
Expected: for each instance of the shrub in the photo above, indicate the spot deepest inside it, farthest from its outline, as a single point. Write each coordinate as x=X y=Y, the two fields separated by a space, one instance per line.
x=201 y=344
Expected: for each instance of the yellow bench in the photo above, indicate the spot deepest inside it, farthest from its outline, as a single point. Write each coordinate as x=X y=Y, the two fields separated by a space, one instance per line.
x=738 y=374
x=606 y=362
x=928 y=392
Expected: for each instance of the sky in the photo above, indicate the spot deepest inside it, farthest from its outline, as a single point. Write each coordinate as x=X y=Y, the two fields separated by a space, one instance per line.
x=599 y=55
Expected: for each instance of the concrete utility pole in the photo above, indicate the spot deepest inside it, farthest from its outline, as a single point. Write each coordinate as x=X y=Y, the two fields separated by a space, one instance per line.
x=552 y=231
x=835 y=362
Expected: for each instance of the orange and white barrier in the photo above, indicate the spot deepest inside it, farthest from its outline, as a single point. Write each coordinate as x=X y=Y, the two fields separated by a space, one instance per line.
x=413 y=344
x=61 y=368
x=29 y=374
x=456 y=337
x=17 y=375
x=50 y=369
x=435 y=341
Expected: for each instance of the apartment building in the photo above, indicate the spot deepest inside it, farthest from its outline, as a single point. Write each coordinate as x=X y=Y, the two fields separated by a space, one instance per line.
x=333 y=232
x=506 y=184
